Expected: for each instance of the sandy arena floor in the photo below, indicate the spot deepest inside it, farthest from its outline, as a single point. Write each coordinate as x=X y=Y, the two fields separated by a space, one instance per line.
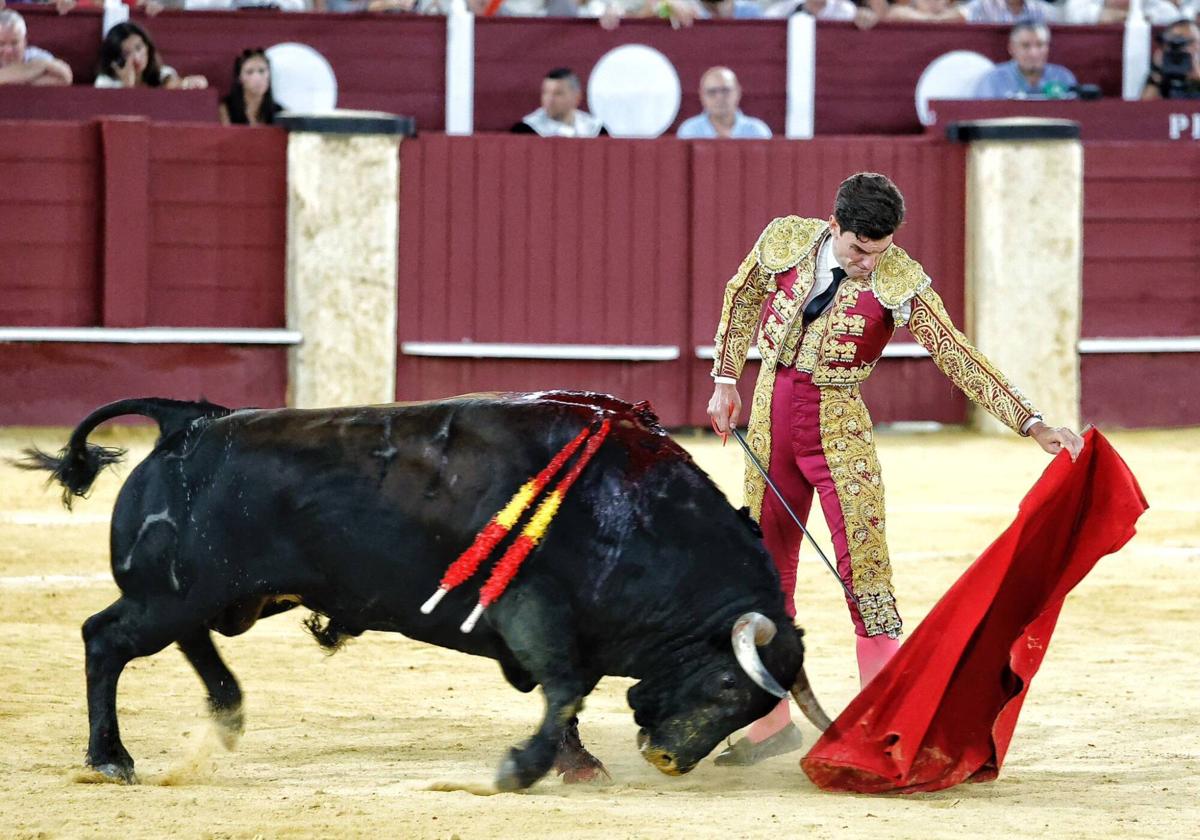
x=352 y=745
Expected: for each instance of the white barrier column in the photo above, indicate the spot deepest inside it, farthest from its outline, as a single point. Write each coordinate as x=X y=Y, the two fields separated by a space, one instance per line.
x=342 y=247
x=1024 y=257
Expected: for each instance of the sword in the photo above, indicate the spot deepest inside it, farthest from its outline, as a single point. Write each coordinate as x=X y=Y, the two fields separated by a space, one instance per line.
x=758 y=465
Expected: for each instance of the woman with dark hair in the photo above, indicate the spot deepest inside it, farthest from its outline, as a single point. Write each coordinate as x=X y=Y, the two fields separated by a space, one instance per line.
x=128 y=58
x=250 y=101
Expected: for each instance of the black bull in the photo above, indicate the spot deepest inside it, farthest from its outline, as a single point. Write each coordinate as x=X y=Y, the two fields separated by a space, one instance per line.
x=646 y=571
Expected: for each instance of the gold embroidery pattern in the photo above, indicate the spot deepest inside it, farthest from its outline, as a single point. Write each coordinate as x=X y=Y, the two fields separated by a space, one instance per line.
x=786 y=241
x=758 y=436
x=783 y=334
x=842 y=323
x=839 y=351
x=966 y=367
x=810 y=343
x=847 y=439
x=828 y=349
x=897 y=278
x=744 y=294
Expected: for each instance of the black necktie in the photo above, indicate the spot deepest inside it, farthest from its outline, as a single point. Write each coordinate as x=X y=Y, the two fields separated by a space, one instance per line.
x=821 y=302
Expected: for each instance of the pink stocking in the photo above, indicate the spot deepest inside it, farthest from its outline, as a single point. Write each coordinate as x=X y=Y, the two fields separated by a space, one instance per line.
x=873 y=653
x=770 y=723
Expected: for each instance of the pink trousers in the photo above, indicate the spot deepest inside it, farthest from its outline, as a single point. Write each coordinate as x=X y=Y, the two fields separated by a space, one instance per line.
x=798 y=467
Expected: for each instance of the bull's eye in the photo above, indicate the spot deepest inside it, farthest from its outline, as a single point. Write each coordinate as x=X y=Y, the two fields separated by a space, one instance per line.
x=728 y=682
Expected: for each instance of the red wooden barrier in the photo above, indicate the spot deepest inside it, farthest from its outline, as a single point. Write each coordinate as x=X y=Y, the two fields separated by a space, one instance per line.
x=218 y=226
x=512 y=240
x=1141 y=235
x=50 y=239
x=739 y=187
x=516 y=240
x=58 y=384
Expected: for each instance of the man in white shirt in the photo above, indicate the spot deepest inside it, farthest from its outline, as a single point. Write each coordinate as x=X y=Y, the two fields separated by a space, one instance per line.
x=560 y=115
x=21 y=64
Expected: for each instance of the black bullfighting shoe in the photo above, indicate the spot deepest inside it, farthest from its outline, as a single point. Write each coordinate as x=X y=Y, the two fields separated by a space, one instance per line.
x=744 y=752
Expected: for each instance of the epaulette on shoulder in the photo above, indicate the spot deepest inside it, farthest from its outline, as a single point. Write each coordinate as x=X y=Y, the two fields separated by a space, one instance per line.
x=786 y=241
x=897 y=278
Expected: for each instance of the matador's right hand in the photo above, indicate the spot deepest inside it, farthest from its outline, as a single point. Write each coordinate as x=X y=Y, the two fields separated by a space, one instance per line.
x=724 y=408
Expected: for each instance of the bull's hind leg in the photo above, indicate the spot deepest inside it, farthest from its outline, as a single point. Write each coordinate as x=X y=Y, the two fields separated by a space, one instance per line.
x=536 y=624
x=224 y=694
x=112 y=637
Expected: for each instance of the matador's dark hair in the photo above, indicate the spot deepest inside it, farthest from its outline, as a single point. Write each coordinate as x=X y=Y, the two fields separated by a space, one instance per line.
x=869 y=205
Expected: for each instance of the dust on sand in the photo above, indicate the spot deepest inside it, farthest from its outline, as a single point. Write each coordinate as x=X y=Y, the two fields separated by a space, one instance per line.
x=354 y=745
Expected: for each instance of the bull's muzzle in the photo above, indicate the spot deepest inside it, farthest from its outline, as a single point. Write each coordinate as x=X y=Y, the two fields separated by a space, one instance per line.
x=657 y=756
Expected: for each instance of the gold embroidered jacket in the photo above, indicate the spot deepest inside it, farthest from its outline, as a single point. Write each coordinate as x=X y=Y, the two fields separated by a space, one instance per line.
x=840 y=348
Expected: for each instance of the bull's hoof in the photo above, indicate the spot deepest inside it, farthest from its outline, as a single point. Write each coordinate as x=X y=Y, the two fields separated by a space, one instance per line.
x=120 y=773
x=513 y=775
x=508 y=777
x=230 y=725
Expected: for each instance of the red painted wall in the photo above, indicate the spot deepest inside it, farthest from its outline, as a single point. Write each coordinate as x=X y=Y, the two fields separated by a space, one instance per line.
x=1141 y=239
x=512 y=239
x=58 y=384
x=50 y=242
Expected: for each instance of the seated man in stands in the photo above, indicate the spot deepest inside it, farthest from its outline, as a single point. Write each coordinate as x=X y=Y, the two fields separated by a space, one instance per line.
x=21 y=64
x=1028 y=74
x=1175 y=65
x=559 y=115
x=720 y=94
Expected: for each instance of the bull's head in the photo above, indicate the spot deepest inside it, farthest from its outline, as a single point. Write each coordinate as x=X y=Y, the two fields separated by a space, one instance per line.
x=713 y=695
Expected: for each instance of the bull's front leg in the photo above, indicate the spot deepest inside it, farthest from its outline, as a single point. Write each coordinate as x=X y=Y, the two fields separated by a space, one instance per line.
x=527 y=763
x=537 y=624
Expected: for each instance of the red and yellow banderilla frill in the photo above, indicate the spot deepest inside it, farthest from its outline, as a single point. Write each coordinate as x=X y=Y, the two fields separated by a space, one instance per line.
x=506 y=519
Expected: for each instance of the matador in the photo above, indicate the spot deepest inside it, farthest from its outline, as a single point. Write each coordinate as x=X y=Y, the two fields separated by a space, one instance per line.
x=825 y=297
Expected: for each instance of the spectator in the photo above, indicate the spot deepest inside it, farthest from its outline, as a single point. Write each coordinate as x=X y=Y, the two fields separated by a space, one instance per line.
x=250 y=101
x=1166 y=12
x=1175 y=65
x=1028 y=73
x=931 y=11
x=1095 y=11
x=864 y=17
x=559 y=115
x=128 y=58
x=730 y=9
x=720 y=95
x=1008 y=11
x=21 y=64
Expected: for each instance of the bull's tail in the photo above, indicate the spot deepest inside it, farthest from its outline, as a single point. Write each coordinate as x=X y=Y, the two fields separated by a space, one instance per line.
x=79 y=462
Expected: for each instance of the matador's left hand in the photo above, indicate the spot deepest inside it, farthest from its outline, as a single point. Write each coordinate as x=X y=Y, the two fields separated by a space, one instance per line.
x=1055 y=439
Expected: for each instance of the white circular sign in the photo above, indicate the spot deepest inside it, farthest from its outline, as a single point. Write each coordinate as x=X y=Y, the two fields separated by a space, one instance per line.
x=301 y=78
x=952 y=75
x=634 y=90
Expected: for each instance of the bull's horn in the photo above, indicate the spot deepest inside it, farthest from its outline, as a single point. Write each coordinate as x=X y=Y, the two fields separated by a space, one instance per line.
x=749 y=632
x=808 y=704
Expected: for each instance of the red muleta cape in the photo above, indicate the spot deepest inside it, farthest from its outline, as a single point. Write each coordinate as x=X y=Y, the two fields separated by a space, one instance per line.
x=944 y=709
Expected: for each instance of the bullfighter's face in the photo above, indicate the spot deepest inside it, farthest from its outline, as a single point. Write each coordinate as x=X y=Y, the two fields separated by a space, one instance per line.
x=857 y=255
